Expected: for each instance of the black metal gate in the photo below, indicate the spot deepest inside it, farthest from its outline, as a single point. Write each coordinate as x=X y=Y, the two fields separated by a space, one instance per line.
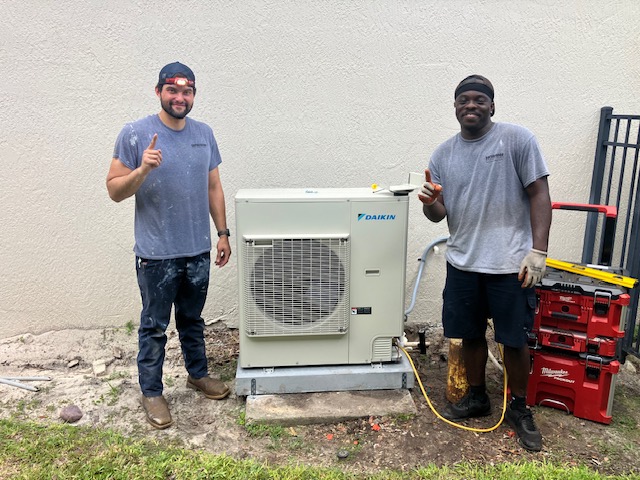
x=615 y=181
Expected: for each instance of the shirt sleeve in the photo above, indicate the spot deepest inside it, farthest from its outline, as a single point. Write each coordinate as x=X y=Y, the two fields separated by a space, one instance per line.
x=215 y=152
x=531 y=164
x=126 y=148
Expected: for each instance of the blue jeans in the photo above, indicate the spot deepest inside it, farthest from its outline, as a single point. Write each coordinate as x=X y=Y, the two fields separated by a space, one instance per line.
x=182 y=282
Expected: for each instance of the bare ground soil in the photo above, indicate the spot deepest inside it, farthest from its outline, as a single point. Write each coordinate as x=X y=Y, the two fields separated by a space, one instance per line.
x=73 y=360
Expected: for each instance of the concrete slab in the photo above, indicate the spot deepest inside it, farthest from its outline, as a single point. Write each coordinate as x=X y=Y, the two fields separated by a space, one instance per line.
x=327 y=407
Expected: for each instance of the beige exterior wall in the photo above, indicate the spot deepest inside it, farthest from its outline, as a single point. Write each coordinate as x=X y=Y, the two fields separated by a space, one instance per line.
x=301 y=94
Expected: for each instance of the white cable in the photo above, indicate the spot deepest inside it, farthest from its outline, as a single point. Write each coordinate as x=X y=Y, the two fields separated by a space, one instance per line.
x=495 y=361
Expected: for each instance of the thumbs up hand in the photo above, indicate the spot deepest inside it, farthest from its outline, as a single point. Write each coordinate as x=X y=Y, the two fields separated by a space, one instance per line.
x=430 y=191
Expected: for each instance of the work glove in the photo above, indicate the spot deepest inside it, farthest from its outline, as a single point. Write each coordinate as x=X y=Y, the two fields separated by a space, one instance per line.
x=430 y=191
x=532 y=268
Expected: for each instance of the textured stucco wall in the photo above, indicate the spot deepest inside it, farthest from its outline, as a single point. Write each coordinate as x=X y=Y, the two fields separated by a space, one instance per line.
x=322 y=93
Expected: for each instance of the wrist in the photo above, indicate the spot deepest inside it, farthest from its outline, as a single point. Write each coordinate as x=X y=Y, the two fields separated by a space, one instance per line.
x=540 y=252
x=224 y=233
x=144 y=170
x=428 y=202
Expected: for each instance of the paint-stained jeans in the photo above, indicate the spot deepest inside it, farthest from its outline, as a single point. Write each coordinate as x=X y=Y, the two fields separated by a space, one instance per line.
x=182 y=282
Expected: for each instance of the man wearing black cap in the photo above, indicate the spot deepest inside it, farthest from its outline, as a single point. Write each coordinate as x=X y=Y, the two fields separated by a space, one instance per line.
x=490 y=181
x=170 y=163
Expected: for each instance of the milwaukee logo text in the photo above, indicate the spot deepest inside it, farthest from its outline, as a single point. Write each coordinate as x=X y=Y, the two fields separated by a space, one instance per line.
x=559 y=374
x=366 y=216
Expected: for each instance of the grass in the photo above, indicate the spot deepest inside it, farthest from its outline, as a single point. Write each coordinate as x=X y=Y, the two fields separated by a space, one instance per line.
x=279 y=436
x=260 y=429
x=30 y=450
x=23 y=407
x=129 y=327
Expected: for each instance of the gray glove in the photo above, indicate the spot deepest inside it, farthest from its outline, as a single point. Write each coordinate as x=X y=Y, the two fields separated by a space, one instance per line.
x=532 y=268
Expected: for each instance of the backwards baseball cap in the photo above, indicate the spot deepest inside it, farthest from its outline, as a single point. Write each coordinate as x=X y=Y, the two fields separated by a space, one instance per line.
x=176 y=73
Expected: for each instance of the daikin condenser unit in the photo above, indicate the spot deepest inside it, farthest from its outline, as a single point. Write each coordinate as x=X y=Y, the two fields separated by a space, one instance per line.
x=322 y=276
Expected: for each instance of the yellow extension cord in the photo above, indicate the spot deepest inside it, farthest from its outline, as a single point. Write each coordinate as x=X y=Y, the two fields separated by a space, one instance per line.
x=457 y=425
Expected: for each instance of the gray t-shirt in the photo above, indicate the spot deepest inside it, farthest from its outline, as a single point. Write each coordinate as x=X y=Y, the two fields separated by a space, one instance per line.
x=172 y=204
x=483 y=188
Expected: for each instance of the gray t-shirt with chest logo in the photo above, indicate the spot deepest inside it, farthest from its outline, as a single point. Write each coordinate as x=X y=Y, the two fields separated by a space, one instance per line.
x=483 y=189
x=172 y=204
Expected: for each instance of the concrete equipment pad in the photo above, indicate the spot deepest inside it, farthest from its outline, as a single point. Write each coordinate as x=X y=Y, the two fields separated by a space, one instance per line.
x=327 y=407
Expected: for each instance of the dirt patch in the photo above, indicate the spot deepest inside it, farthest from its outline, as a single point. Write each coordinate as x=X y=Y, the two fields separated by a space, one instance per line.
x=74 y=359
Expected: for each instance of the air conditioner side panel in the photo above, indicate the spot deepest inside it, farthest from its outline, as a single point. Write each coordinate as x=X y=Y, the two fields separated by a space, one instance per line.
x=378 y=271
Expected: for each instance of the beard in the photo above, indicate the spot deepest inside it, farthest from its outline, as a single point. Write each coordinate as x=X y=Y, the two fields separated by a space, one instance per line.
x=166 y=106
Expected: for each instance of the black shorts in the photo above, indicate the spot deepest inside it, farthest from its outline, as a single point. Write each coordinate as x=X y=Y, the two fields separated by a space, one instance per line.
x=471 y=298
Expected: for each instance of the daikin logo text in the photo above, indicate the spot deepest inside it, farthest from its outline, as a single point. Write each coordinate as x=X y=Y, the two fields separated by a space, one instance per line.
x=366 y=216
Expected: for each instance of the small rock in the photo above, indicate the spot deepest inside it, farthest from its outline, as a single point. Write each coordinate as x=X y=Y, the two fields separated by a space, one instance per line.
x=71 y=414
x=73 y=363
x=99 y=367
x=342 y=454
x=630 y=367
x=117 y=352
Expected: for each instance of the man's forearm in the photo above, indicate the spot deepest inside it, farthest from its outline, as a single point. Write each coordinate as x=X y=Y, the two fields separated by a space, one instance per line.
x=217 y=208
x=540 y=212
x=125 y=186
x=540 y=223
x=435 y=212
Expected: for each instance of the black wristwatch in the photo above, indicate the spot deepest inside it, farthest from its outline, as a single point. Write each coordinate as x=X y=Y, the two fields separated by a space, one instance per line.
x=224 y=232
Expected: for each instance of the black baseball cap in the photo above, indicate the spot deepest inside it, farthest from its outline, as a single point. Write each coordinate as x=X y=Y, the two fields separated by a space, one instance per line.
x=176 y=73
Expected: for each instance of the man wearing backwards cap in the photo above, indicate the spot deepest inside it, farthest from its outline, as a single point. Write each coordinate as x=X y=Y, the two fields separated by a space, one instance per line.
x=170 y=163
x=490 y=181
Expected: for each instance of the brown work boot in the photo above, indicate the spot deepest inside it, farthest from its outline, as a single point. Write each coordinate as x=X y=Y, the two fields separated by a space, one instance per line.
x=157 y=412
x=211 y=387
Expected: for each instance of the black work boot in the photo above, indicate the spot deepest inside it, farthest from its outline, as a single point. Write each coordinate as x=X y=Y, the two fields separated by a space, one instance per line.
x=520 y=418
x=471 y=405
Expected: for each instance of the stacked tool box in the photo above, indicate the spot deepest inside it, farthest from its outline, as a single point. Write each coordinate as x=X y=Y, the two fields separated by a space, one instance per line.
x=574 y=344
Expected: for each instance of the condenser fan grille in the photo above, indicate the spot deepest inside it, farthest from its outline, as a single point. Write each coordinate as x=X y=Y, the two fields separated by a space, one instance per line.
x=297 y=286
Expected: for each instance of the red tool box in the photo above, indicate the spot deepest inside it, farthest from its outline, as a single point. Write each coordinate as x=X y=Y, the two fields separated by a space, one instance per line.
x=583 y=385
x=577 y=327
x=576 y=342
x=576 y=303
